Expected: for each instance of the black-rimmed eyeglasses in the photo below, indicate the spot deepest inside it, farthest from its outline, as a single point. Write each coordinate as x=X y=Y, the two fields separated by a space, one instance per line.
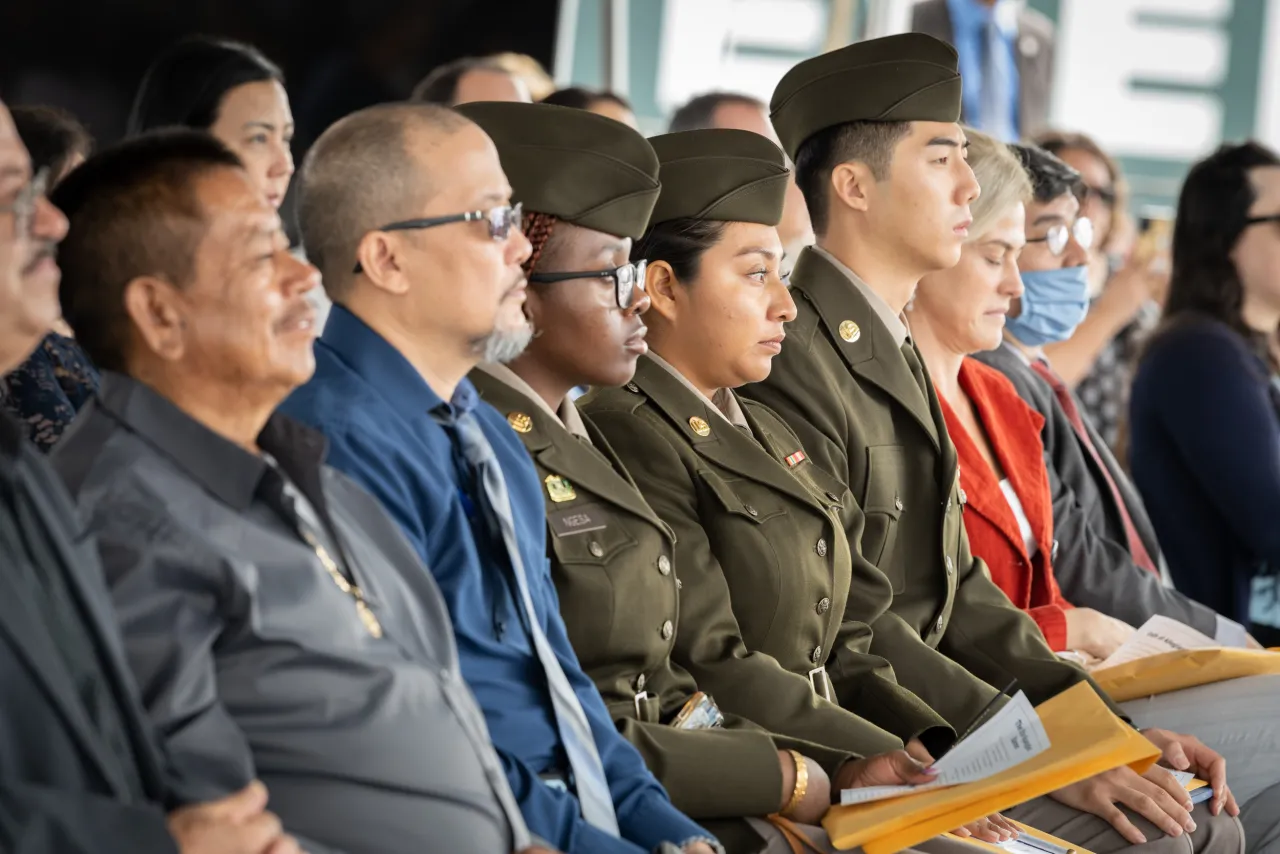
x=500 y=221
x=628 y=280
x=23 y=206
x=1056 y=238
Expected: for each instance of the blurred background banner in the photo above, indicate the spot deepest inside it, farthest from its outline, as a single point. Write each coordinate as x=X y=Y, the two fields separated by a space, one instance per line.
x=1157 y=82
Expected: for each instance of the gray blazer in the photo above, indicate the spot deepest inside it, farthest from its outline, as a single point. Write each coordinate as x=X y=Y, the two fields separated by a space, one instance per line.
x=1093 y=565
x=58 y=779
x=1034 y=51
x=252 y=661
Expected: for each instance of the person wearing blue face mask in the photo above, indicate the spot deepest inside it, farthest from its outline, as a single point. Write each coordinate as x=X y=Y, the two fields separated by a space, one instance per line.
x=1111 y=560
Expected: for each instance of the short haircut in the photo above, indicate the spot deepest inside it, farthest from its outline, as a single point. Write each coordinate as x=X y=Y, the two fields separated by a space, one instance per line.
x=133 y=211
x=1050 y=177
x=700 y=112
x=53 y=138
x=871 y=143
x=581 y=98
x=185 y=85
x=1001 y=176
x=441 y=85
x=361 y=174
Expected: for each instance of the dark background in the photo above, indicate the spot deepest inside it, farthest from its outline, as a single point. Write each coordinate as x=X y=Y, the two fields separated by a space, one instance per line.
x=338 y=55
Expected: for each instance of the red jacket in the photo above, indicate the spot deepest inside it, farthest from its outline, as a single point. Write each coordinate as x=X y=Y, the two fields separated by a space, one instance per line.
x=1013 y=430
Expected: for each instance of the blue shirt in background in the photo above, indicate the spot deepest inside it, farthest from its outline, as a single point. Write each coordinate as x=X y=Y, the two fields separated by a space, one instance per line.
x=969 y=20
x=389 y=431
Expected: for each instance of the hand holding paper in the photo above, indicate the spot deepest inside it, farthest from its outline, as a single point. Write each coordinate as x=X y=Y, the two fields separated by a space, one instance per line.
x=1012 y=736
x=1188 y=753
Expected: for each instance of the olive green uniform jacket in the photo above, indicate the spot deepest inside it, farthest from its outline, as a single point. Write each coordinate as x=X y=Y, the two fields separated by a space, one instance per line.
x=614 y=565
x=846 y=388
x=766 y=567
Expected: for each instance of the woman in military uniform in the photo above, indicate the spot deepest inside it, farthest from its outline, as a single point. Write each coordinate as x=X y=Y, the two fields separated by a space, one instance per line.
x=588 y=184
x=760 y=539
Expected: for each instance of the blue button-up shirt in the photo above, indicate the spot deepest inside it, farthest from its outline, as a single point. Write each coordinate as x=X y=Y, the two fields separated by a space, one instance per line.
x=389 y=431
x=969 y=19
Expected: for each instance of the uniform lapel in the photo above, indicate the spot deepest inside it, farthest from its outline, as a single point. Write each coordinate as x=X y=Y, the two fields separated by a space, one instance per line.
x=560 y=452
x=727 y=446
x=872 y=354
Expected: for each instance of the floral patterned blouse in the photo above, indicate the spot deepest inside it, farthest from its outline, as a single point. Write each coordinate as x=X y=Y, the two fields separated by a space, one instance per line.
x=45 y=392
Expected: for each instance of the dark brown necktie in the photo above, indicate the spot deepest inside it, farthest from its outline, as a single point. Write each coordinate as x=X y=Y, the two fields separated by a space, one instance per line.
x=917 y=370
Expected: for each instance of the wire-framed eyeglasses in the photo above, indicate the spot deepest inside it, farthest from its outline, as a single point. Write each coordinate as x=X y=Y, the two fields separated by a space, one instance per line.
x=628 y=280
x=23 y=206
x=500 y=221
x=1057 y=237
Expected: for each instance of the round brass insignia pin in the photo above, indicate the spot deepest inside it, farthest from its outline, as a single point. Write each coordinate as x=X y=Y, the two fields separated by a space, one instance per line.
x=850 y=331
x=697 y=425
x=520 y=422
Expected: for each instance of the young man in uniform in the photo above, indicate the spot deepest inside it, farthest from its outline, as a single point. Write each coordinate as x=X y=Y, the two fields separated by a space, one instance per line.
x=880 y=159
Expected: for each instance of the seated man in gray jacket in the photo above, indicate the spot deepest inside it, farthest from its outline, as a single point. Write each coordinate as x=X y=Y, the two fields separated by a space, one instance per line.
x=277 y=622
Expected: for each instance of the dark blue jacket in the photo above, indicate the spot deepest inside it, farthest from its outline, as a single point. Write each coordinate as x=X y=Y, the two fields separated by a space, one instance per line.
x=376 y=411
x=1205 y=437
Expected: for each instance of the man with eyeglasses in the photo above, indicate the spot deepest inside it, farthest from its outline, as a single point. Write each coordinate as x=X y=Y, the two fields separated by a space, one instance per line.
x=415 y=198
x=1106 y=559
x=80 y=770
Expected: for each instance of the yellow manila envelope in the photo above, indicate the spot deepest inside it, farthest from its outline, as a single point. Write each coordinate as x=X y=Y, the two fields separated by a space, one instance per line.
x=1184 y=668
x=1085 y=739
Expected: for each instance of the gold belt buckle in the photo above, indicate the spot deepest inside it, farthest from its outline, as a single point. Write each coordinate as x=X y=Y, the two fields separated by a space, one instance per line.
x=640 y=697
x=825 y=690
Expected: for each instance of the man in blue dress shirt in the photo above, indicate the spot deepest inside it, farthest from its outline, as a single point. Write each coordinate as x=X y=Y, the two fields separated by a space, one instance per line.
x=407 y=212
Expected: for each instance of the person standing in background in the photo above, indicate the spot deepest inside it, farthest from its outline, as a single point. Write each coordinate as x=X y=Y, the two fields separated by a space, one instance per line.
x=1006 y=60
x=46 y=391
x=743 y=112
x=605 y=104
x=1205 y=411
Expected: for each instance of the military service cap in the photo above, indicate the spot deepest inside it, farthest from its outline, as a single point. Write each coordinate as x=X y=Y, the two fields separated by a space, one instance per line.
x=904 y=78
x=578 y=166
x=722 y=174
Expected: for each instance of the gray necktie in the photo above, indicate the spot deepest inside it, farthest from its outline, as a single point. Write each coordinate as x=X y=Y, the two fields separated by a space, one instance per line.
x=575 y=731
x=993 y=103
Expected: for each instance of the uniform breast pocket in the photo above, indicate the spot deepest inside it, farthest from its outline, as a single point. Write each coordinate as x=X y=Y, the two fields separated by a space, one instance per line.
x=743 y=500
x=590 y=547
x=883 y=505
x=587 y=533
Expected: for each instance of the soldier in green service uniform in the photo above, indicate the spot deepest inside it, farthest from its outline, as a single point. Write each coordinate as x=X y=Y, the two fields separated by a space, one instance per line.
x=588 y=184
x=767 y=625
x=881 y=162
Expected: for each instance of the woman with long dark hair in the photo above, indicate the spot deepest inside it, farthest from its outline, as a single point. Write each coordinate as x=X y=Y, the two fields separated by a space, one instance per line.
x=230 y=90
x=1205 y=411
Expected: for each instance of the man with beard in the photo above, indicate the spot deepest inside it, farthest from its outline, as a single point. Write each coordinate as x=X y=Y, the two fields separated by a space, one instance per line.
x=407 y=212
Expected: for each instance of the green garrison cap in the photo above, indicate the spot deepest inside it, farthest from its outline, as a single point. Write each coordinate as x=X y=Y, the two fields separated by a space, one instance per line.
x=581 y=167
x=909 y=77
x=723 y=174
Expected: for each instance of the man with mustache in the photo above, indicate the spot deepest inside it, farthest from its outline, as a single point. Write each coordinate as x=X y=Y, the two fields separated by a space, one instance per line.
x=421 y=251
x=80 y=771
x=277 y=622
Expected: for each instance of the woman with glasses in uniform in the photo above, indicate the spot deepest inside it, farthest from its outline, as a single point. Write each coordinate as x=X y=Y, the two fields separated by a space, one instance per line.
x=768 y=625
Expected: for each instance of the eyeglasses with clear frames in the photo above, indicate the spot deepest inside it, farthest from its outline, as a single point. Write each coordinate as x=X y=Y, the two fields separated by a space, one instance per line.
x=23 y=206
x=1057 y=237
x=500 y=221
x=628 y=281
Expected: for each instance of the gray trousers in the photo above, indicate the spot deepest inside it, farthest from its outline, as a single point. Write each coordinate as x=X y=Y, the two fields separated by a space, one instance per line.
x=1240 y=719
x=1219 y=834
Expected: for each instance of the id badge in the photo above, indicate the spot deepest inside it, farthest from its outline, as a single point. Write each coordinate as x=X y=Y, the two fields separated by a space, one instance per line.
x=700 y=712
